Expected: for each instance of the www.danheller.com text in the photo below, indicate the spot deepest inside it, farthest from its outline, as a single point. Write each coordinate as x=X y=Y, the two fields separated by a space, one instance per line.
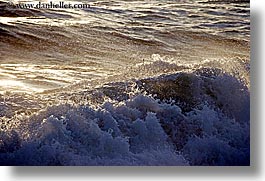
x=49 y=5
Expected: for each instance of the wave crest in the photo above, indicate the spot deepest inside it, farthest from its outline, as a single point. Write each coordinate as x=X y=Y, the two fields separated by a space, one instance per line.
x=167 y=120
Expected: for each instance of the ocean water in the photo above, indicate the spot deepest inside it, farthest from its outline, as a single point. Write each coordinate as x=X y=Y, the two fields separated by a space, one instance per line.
x=156 y=82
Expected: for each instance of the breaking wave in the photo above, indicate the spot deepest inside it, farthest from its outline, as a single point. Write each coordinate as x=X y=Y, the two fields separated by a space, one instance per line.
x=126 y=83
x=198 y=117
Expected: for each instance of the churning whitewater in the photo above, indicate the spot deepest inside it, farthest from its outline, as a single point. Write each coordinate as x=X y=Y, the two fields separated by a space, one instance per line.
x=126 y=83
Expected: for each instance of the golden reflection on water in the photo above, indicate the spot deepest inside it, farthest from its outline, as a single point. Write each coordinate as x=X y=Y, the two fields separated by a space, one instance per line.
x=51 y=48
x=11 y=83
x=8 y=85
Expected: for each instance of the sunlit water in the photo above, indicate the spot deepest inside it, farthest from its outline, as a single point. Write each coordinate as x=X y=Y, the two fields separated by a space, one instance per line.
x=48 y=49
x=157 y=82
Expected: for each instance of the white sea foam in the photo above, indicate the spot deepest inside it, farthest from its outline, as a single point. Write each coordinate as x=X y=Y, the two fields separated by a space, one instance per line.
x=125 y=83
x=144 y=129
